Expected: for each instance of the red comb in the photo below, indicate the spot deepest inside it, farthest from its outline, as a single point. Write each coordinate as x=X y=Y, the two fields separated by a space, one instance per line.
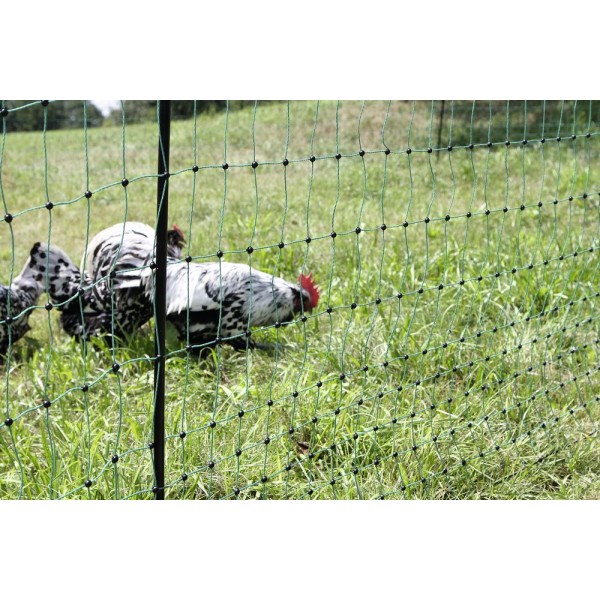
x=308 y=283
x=177 y=229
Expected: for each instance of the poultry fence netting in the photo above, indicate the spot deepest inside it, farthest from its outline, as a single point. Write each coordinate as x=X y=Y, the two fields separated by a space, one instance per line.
x=429 y=327
x=58 y=463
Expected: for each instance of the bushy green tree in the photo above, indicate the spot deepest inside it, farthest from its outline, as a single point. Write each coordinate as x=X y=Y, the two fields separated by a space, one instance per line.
x=59 y=114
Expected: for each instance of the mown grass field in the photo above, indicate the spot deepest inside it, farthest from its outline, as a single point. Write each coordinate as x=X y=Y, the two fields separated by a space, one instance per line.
x=480 y=381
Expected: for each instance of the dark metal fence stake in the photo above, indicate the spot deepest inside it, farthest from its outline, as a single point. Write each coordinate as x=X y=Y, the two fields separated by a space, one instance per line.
x=160 y=295
x=441 y=123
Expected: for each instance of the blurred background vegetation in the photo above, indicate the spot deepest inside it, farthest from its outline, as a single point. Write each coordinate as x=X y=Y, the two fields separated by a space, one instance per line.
x=459 y=123
x=68 y=114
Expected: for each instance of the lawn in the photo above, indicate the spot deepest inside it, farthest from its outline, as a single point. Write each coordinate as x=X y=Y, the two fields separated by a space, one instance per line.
x=455 y=350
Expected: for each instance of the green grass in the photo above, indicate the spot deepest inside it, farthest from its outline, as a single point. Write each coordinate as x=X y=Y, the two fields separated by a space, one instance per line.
x=514 y=401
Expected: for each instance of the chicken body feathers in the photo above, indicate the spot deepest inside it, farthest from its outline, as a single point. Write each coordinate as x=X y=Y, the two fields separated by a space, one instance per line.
x=113 y=299
x=225 y=300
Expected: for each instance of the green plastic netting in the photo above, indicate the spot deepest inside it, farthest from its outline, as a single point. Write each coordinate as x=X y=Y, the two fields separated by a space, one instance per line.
x=454 y=351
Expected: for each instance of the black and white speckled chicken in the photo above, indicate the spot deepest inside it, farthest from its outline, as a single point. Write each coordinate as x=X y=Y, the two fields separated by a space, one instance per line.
x=225 y=300
x=111 y=296
x=24 y=292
